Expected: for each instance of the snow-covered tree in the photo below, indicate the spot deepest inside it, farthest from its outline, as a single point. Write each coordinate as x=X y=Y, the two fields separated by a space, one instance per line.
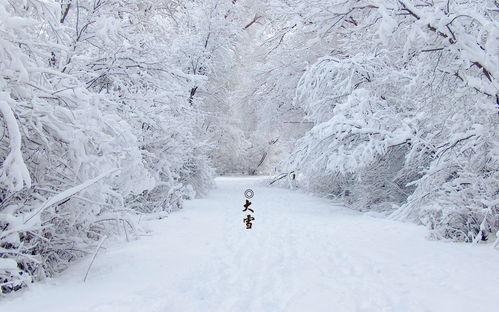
x=405 y=113
x=100 y=125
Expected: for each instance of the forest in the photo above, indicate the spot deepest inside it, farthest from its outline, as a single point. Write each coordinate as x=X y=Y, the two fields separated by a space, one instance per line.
x=113 y=112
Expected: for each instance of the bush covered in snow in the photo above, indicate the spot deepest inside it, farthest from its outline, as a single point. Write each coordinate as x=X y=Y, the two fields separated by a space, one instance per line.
x=101 y=122
x=405 y=113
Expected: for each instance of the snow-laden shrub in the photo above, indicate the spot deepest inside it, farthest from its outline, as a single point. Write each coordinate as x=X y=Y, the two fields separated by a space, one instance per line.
x=99 y=126
x=457 y=196
x=359 y=143
x=405 y=115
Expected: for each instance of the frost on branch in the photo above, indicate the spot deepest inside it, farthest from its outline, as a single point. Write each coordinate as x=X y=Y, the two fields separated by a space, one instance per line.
x=14 y=174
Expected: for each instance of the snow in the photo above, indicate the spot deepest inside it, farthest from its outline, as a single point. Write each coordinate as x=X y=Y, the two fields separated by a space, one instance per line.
x=303 y=254
x=13 y=171
x=8 y=264
x=68 y=193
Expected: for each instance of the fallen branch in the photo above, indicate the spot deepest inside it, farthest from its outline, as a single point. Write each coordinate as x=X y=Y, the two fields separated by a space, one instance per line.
x=281 y=176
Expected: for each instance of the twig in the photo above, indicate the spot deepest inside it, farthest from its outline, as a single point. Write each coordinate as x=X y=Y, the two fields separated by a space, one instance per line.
x=255 y=19
x=93 y=258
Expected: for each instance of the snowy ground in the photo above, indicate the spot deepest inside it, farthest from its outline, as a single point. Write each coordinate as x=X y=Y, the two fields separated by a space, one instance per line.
x=303 y=254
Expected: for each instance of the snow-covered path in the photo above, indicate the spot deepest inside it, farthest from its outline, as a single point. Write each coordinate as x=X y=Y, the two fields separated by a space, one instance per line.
x=303 y=254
